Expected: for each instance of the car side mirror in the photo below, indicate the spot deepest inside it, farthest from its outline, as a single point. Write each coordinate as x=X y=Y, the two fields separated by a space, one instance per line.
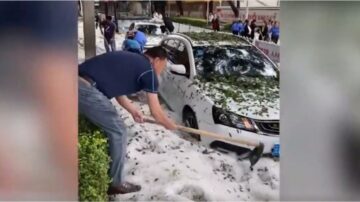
x=178 y=69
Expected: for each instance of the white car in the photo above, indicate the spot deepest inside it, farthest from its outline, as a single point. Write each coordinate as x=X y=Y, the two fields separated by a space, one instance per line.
x=223 y=84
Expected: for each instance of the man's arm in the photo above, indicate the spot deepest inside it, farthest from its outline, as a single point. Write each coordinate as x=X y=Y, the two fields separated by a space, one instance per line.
x=158 y=113
x=131 y=108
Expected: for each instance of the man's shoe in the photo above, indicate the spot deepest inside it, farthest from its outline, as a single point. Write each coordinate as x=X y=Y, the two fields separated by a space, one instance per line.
x=123 y=188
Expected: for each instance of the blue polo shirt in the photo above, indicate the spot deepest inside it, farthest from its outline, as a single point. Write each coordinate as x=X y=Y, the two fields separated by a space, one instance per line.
x=141 y=38
x=275 y=31
x=120 y=73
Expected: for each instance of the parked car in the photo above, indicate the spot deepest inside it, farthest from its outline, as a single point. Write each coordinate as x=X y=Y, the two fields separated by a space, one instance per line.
x=223 y=84
x=152 y=31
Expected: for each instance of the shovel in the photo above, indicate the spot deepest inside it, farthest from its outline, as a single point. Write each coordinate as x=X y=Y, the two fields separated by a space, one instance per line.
x=254 y=155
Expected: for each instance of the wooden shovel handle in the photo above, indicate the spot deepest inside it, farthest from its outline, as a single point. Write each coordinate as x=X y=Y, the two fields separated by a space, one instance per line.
x=215 y=135
x=208 y=134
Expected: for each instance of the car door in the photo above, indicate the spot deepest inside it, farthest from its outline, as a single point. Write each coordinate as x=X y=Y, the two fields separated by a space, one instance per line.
x=172 y=89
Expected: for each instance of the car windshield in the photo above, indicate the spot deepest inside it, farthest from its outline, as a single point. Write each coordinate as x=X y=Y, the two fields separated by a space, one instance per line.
x=148 y=29
x=230 y=60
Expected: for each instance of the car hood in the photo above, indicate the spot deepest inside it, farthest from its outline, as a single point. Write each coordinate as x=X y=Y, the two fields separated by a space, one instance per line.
x=153 y=40
x=260 y=101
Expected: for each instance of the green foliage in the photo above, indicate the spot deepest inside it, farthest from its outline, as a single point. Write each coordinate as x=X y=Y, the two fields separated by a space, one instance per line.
x=224 y=89
x=198 y=22
x=227 y=27
x=191 y=21
x=93 y=162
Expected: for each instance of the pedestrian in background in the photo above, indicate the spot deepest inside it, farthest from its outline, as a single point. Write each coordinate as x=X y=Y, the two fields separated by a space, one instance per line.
x=275 y=32
x=264 y=32
x=210 y=18
x=168 y=24
x=270 y=24
x=252 y=27
x=97 y=20
x=130 y=44
x=247 y=30
x=216 y=23
x=140 y=37
x=109 y=34
x=235 y=28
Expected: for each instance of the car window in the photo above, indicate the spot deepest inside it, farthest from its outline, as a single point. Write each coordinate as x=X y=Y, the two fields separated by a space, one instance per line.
x=148 y=29
x=178 y=53
x=229 y=60
x=183 y=57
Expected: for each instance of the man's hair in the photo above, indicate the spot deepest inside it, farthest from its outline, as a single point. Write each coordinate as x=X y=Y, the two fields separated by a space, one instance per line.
x=157 y=52
x=108 y=17
x=132 y=26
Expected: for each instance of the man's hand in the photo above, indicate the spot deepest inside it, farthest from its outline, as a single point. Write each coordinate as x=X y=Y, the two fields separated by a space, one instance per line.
x=126 y=103
x=137 y=116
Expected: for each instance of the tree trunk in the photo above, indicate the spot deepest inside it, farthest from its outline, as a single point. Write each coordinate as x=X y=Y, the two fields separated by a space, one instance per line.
x=238 y=4
x=180 y=7
x=211 y=6
x=106 y=9
x=115 y=18
x=205 y=10
x=160 y=6
x=233 y=8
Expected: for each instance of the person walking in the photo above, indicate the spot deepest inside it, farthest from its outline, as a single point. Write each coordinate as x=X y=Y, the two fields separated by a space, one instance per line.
x=109 y=34
x=116 y=75
x=275 y=32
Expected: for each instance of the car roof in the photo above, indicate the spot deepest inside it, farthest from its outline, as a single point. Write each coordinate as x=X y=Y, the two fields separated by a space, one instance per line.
x=213 y=38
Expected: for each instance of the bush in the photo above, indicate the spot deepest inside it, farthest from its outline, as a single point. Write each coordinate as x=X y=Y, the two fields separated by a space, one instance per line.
x=197 y=22
x=93 y=162
x=227 y=27
x=191 y=21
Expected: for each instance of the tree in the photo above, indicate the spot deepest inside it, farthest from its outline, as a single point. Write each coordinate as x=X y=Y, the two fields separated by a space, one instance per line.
x=211 y=6
x=180 y=7
x=159 y=6
x=106 y=8
x=233 y=8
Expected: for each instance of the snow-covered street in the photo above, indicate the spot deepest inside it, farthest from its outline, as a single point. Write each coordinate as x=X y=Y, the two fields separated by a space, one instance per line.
x=169 y=167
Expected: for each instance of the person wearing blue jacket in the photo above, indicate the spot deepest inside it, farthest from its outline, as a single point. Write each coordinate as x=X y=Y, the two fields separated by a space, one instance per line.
x=235 y=28
x=275 y=32
x=130 y=44
x=141 y=38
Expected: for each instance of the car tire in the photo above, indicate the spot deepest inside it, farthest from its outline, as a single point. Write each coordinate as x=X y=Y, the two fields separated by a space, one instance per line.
x=189 y=120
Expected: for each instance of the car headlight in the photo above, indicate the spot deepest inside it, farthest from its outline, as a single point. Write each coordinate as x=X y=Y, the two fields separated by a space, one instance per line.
x=230 y=119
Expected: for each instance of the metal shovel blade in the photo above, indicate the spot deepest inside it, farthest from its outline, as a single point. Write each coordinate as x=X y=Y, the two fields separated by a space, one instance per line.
x=256 y=154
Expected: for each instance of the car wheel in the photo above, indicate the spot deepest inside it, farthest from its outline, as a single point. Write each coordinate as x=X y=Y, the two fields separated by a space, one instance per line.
x=190 y=121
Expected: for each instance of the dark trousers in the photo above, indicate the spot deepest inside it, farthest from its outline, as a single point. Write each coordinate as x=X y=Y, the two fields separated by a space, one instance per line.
x=274 y=39
x=235 y=32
